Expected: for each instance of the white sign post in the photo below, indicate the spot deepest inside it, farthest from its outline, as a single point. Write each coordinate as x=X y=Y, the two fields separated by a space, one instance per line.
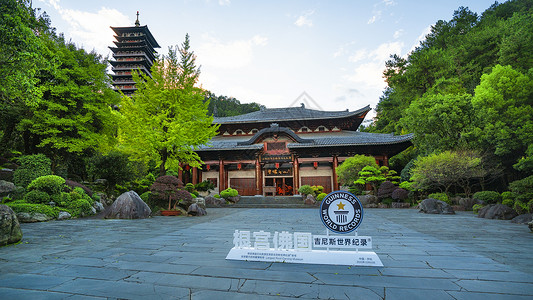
x=341 y=212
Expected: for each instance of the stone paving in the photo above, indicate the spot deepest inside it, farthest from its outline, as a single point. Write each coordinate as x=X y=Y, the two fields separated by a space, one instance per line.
x=424 y=256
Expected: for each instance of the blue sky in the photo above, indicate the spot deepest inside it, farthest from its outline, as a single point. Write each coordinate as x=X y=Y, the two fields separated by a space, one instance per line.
x=271 y=52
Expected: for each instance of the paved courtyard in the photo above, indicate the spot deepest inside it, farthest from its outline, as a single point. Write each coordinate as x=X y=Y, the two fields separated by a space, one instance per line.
x=424 y=256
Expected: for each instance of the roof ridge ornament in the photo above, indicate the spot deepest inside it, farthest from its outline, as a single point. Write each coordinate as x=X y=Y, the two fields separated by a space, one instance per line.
x=137 y=23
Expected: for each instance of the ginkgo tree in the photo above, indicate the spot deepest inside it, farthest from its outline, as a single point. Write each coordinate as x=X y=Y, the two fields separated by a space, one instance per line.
x=166 y=119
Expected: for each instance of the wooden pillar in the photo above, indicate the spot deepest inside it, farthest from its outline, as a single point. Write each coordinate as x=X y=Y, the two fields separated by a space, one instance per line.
x=180 y=173
x=195 y=175
x=385 y=160
x=221 y=179
x=258 y=178
x=335 y=165
x=296 y=175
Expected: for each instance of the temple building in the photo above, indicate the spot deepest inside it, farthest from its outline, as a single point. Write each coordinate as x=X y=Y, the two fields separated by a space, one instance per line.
x=134 y=51
x=275 y=151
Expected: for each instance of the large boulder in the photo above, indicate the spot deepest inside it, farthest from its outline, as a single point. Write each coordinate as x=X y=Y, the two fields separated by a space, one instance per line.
x=497 y=211
x=25 y=217
x=211 y=201
x=63 y=215
x=434 y=206
x=195 y=210
x=530 y=224
x=6 y=188
x=9 y=226
x=128 y=206
x=522 y=219
x=368 y=200
x=200 y=201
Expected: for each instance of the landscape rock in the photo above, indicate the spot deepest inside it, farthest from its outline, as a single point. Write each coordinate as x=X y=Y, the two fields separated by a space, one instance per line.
x=25 y=217
x=128 y=206
x=497 y=211
x=310 y=200
x=63 y=215
x=234 y=199
x=200 y=201
x=211 y=201
x=368 y=199
x=400 y=205
x=468 y=203
x=98 y=206
x=6 y=188
x=434 y=206
x=530 y=224
x=522 y=219
x=9 y=226
x=196 y=210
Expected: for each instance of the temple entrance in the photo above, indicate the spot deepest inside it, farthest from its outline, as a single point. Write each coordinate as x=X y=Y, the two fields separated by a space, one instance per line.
x=279 y=186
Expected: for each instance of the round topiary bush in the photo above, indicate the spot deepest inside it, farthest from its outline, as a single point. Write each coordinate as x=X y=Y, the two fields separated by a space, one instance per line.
x=50 y=184
x=508 y=202
x=490 y=197
x=400 y=194
x=37 y=196
x=31 y=167
x=306 y=190
x=80 y=207
x=229 y=192
x=321 y=196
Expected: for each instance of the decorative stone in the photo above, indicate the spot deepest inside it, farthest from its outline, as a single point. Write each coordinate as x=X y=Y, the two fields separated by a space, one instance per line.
x=368 y=199
x=467 y=203
x=128 y=206
x=530 y=224
x=522 y=219
x=196 y=210
x=382 y=205
x=234 y=199
x=98 y=206
x=434 y=206
x=6 y=188
x=63 y=215
x=310 y=200
x=25 y=217
x=400 y=205
x=200 y=201
x=497 y=211
x=9 y=226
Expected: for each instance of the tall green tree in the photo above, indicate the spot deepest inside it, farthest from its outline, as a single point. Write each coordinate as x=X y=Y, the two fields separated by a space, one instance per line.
x=166 y=118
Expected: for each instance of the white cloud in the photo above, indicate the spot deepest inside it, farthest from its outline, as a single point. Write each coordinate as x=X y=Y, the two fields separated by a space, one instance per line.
x=91 y=30
x=398 y=33
x=304 y=19
x=224 y=2
x=374 y=18
x=421 y=37
x=234 y=54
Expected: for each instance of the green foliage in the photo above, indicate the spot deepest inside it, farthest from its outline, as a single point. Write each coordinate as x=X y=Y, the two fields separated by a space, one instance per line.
x=508 y=202
x=405 y=174
x=523 y=189
x=520 y=207
x=349 y=170
x=114 y=167
x=306 y=190
x=204 y=186
x=443 y=170
x=317 y=189
x=441 y=197
x=37 y=196
x=189 y=187
x=477 y=207
x=19 y=206
x=145 y=196
x=229 y=192
x=80 y=207
x=373 y=176
x=31 y=167
x=321 y=196
x=530 y=206
x=508 y=196
x=490 y=197
x=50 y=184
x=166 y=119
x=222 y=106
x=216 y=195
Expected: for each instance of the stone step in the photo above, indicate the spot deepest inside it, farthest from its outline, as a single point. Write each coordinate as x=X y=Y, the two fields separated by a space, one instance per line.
x=270 y=202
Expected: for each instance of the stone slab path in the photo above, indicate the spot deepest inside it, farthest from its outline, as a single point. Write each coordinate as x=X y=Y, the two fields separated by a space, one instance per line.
x=424 y=256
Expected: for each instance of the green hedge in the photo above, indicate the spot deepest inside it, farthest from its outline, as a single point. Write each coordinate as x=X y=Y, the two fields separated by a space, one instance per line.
x=19 y=206
x=490 y=197
x=50 y=184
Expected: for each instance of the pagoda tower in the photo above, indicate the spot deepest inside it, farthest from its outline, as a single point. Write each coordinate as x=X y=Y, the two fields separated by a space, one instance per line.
x=134 y=51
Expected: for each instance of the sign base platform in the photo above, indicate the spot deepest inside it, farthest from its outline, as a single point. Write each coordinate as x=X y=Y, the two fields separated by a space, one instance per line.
x=322 y=257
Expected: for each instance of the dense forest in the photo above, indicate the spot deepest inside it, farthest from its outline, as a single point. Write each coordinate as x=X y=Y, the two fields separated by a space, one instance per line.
x=223 y=106
x=467 y=87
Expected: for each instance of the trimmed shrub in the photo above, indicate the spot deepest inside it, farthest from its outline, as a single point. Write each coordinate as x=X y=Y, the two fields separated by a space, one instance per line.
x=520 y=207
x=477 y=207
x=204 y=186
x=523 y=188
x=164 y=190
x=183 y=195
x=216 y=196
x=37 y=196
x=80 y=207
x=229 y=192
x=400 y=194
x=306 y=190
x=31 y=167
x=489 y=197
x=189 y=187
x=508 y=195
x=508 y=202
x=317 y=189
x=321 y=196
x=441 y=197
x=50 y=184
x=19 y=206
x=385 y=190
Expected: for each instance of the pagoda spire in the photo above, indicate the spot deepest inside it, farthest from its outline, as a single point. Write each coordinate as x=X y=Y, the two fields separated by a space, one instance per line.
x=137 y=23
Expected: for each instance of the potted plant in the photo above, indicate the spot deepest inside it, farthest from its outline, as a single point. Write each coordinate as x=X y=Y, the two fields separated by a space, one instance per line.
x=166 y=188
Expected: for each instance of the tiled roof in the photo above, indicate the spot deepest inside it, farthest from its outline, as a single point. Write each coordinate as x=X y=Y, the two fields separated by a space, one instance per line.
x=288 y=114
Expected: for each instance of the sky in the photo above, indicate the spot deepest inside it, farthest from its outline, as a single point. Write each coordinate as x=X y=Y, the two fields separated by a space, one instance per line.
x=327 y=54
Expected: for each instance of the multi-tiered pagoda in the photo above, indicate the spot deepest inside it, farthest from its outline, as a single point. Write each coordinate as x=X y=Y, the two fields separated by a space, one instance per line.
x=134 y=51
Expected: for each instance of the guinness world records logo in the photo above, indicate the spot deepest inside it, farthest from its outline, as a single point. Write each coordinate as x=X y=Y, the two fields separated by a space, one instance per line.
x=341 y=212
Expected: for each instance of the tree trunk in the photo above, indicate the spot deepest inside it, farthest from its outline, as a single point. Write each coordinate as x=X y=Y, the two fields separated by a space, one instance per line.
x=162 y=169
